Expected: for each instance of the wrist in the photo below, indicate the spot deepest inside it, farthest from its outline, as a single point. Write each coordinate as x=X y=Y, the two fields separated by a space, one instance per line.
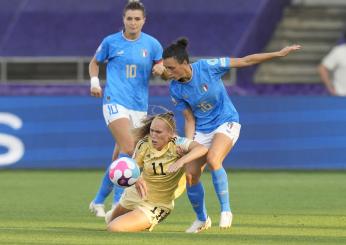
x=95 y=82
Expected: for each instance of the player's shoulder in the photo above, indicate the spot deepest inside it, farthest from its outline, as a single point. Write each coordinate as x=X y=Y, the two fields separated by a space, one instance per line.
x=112 y=37
x=150 y=38
x=143 y=143
x=178 y=140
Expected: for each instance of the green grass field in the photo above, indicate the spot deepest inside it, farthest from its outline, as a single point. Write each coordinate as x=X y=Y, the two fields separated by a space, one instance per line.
x=51 y=207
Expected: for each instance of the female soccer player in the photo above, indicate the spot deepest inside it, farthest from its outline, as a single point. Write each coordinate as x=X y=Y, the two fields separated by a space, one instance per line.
x=151 y=199
x=210 y=118
x=131 y=56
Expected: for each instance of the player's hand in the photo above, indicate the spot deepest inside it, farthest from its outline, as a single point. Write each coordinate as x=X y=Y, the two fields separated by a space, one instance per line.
x=174 y=167
x=96 y=92
x=158 y=69
x=141 y=187
x=286 y=50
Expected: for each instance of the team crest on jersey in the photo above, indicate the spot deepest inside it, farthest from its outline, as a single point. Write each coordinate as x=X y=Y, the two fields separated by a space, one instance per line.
x=204 y=88
x=144 y=53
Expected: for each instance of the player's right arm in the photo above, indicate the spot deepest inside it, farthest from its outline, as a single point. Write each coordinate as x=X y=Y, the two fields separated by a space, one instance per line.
x=95 y=88
x=254 y=59
x=189 y=123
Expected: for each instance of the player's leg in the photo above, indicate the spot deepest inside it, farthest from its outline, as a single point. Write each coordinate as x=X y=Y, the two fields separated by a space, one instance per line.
x=118 y=191
x=117 y=118
x=97 y=205
x=116 y=212
x=135 y=118
x=222 y=143
x=196 y=195
x=132 y=221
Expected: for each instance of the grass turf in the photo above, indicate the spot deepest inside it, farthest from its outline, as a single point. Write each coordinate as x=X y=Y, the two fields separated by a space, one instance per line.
x=51 y=207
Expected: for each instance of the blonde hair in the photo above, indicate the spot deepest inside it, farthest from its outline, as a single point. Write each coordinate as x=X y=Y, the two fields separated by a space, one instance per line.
x=144 y=130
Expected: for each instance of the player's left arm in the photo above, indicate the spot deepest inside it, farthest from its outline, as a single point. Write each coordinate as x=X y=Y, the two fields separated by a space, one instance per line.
x=254 y=59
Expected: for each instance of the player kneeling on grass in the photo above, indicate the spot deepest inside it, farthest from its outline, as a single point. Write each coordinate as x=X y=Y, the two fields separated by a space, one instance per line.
x=151 y=199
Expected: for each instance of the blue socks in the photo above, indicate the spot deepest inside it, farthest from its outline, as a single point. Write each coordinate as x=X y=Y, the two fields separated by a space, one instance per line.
x=107 y=186
x=118 y=192
x=196 y=197
x=220 y=182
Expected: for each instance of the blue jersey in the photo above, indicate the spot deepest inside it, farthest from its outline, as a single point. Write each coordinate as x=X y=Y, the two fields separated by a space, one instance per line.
x=129 y=66
x=206 y=95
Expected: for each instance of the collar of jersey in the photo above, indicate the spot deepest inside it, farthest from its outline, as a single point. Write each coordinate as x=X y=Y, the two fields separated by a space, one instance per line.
x=122 y=33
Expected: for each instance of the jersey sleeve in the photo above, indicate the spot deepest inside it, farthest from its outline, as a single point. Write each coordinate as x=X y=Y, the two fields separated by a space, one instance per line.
x=330 y=61
x=157 y=51
x=139 y=152
x=102 y=51
x=183 y=142
x=179 y=103
x=218 y=66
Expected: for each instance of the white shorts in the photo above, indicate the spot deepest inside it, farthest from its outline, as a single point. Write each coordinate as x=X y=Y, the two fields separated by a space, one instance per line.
x=112 y=112
x=230 y=129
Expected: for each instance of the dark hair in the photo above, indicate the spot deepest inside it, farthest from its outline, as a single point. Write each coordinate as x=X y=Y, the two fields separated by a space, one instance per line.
x=144 y=130
x=177 y=51
x=134 y=5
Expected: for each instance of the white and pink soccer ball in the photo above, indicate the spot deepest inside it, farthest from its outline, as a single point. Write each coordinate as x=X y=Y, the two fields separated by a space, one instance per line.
x=124 y=172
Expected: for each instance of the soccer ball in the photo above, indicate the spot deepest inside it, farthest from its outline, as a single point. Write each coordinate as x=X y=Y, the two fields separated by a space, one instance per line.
x=124 y=172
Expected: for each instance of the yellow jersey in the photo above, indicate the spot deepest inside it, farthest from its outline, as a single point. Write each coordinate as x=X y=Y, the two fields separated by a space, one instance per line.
x=162 y=187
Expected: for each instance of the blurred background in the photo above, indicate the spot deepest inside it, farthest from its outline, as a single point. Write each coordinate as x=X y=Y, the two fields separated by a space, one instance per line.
x=289 y=121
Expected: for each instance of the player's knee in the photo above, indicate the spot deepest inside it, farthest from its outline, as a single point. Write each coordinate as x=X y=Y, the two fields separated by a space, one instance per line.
x=114 y=227
x=192 y=179
x=128 y=149
x=214 y=160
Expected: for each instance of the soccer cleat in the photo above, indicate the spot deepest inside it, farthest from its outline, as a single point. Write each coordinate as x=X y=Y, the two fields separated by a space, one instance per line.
x=226 y=220
x=198 y=226
x=108 y=216
x=97 y=209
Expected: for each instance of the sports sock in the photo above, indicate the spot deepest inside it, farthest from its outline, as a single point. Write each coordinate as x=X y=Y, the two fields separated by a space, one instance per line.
x=220 y=182
x=104 y=190
x=196 y=197
x=118 y=191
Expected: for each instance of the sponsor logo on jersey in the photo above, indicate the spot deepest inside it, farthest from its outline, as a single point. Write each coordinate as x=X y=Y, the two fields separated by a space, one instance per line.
x=121 y=52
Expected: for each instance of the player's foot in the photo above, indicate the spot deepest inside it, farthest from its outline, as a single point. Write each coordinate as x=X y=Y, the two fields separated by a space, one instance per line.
x=198 y=226
x=97 y=209
x=114 y=205
x=226 y=220
x=108 y=216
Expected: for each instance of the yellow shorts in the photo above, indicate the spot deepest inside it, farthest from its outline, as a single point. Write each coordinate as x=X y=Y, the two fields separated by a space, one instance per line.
x=155 y=212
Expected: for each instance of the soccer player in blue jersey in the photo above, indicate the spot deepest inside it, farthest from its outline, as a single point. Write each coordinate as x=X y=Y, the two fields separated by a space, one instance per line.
x=131 y=57
x=210 y=119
